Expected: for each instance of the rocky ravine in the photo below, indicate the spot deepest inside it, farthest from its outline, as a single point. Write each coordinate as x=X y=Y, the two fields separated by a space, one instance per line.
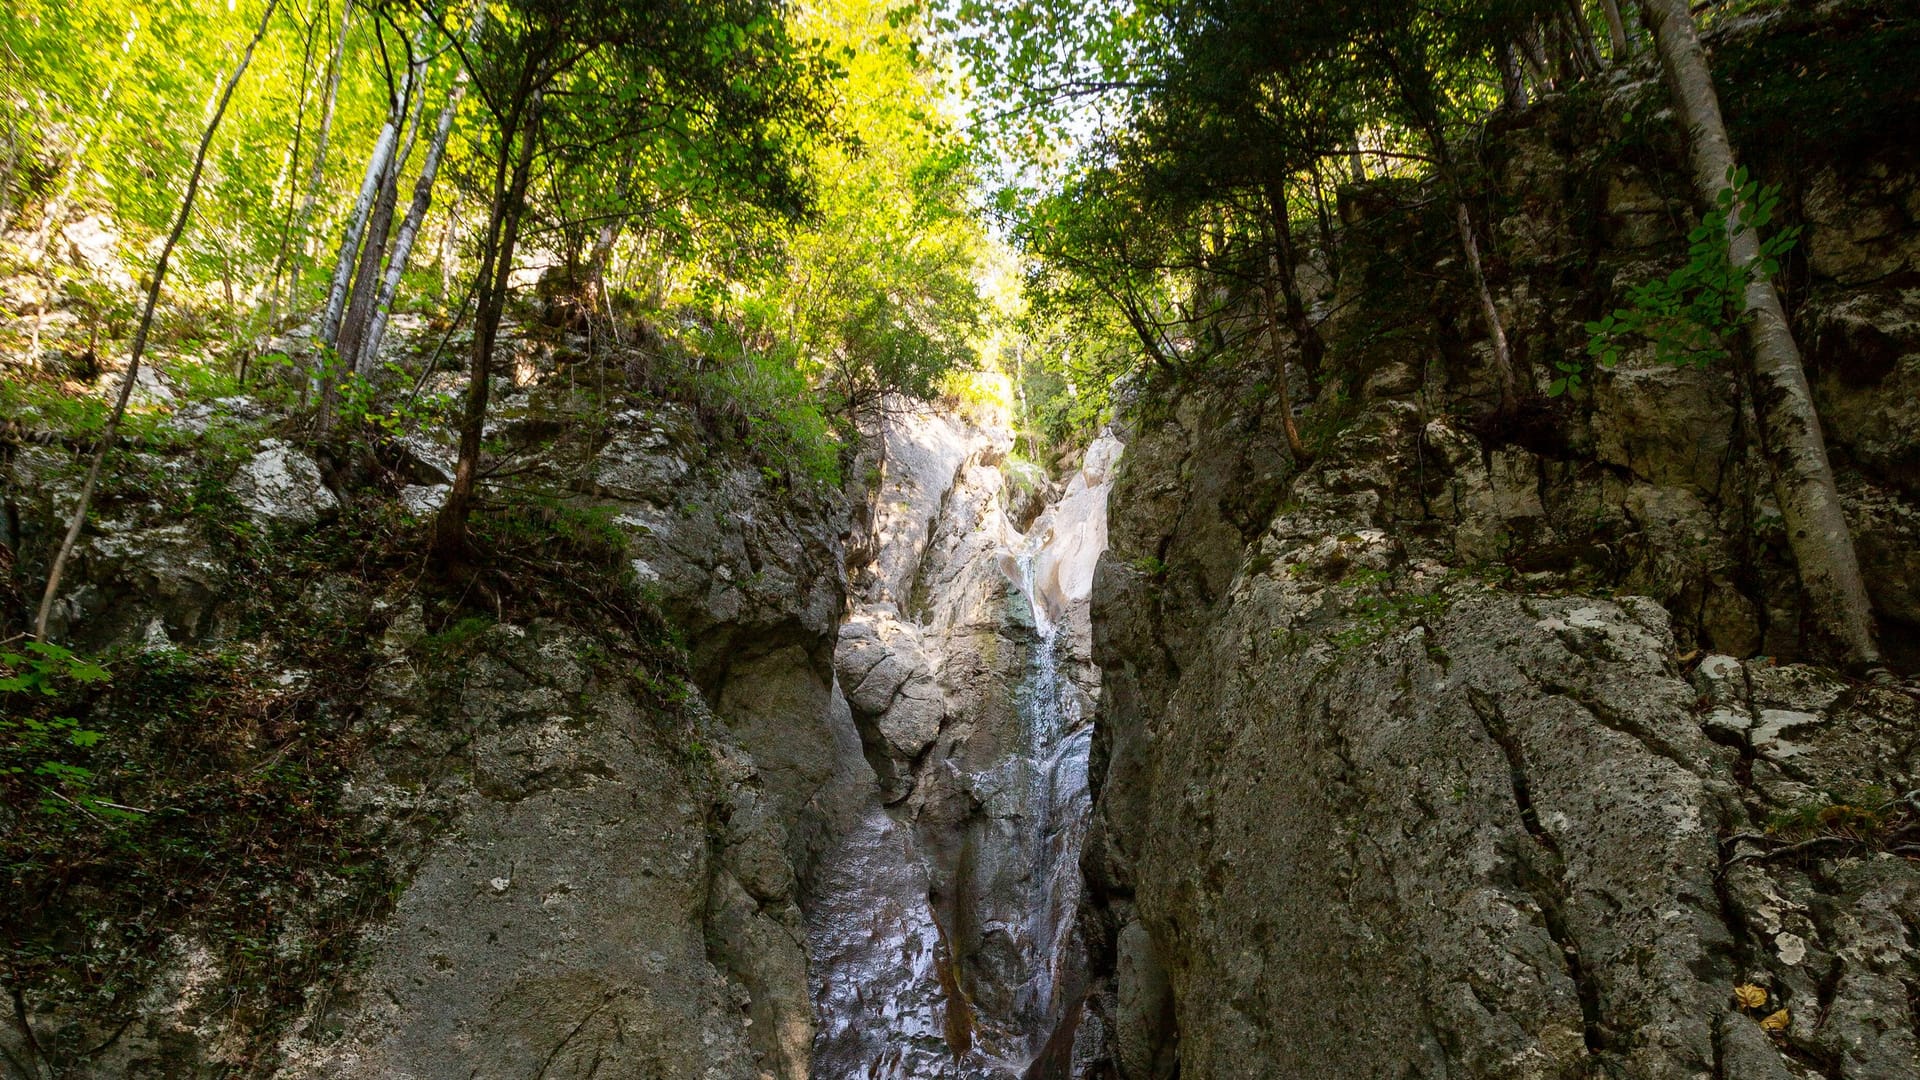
x=596 y=873
x=943 y=922
x=1455 y=751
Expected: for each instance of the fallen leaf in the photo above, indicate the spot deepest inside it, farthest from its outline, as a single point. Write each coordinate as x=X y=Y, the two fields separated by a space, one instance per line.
x=1749 y=996
x=1776 y=1023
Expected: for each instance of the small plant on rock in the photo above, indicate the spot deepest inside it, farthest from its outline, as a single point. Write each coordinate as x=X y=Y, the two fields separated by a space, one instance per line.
x=1689 y=315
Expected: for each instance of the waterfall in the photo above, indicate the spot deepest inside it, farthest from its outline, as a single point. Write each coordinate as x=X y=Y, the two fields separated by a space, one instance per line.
x=1059 y=734
x=941 y=919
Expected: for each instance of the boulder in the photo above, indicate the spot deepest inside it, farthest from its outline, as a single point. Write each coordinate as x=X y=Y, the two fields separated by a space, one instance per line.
x=279 y=485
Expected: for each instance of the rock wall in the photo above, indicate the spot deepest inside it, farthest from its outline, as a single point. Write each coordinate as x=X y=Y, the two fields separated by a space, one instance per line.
x=596 y=865
x=1469 y=750
x=609 y=902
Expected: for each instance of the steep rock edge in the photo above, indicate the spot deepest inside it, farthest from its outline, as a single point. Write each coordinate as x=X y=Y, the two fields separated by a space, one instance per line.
x=1393 y=775
x=592 y=849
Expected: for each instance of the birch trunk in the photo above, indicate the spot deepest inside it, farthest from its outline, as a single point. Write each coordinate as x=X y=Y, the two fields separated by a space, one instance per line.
x=377 y=161
x=1790 y=431
x=139 y=346
x=1513 y=85
x=367 y=275
x=403 y=240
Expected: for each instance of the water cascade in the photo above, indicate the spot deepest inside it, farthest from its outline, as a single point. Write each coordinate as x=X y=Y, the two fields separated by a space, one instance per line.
x=1059 y=734
x=941 y=919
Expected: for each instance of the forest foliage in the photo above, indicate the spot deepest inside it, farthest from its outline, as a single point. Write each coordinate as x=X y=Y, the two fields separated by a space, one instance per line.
x=778 y=198
x=789 y=214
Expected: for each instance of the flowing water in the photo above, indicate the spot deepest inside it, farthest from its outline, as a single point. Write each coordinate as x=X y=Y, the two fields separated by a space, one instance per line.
x=1059 y=734
x=892 y=1002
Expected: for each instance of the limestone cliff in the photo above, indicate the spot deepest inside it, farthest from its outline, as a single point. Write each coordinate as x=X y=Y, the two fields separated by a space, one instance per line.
x=564 y=799
x=1476 y=750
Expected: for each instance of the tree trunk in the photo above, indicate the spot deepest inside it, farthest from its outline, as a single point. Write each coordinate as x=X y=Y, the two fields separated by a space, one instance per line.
x=607 y=234
x=416 y=211
x=1313 y=349
x=1285 y=392
x=1421 y=98
x=316 y=178
x=1535 y=55
x=367 y=277
x=1142 y=329
x=1323 y=211
x=6 y=172
x=1496 y=330
x=1616 y=31
x=410 y=228
x=1513 y=86
x=292 y=167
x=56 y=208
x=377 y=161
x=1789 y=427
x=1580 y=31
x=139 y=346
x=445 y=253
x=511 y=175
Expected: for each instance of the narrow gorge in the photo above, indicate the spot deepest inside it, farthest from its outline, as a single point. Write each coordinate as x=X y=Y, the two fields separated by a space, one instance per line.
x=944 y=923
x=1281 y=627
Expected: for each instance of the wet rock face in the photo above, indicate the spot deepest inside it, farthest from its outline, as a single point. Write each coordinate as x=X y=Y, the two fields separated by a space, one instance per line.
x=942 y=921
